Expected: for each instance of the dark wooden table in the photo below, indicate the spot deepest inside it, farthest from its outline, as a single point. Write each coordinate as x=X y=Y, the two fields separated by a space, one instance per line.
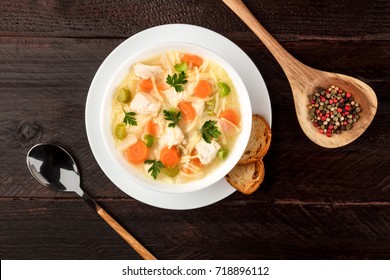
x=315 y=203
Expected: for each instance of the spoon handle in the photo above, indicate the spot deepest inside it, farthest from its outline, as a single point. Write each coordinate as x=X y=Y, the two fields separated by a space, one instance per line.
x=141 y=250
x=290 y=65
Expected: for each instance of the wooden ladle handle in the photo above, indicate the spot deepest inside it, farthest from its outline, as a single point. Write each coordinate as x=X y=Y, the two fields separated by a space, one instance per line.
x=141 y=250
x=289 y=64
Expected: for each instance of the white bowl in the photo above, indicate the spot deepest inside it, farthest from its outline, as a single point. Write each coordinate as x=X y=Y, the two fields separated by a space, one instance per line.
x=147 y=181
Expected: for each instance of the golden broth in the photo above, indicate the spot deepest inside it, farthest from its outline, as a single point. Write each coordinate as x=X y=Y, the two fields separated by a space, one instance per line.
x=150 y=115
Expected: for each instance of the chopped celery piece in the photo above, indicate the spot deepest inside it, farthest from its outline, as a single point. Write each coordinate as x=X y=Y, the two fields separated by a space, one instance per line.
x=222 y=154
x=210 y=112
x=123 y=95
x=224 y=89
x=210 y=103
x=181 y=67
x=171 y=171
x=149 y=140
x=120 y=131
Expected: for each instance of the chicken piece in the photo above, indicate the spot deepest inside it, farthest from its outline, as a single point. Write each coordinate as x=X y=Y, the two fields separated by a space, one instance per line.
x=173 y=97
x=198 y=106
x=144 y=104
x=173 y=136
x=207 y=152
x=146 y=71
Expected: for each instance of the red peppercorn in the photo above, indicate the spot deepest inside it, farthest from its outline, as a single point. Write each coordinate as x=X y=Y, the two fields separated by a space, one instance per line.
x=329 y=134
x=321 y=131
x=348 y=95
x=339 y=110
x=323 y=118
x=335 y=100
x=315 y=124
x=330 y=101
x=317 y=111
x=342 y=100
x=322 y=99
x=330 y=127
x=327 y=115
x=348 y=108
x=327 y=91
x=340 y=91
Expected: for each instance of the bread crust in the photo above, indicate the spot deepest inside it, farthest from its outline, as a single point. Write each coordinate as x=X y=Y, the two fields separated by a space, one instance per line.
x=248 y=174
x=259 y=141
x=246 y=178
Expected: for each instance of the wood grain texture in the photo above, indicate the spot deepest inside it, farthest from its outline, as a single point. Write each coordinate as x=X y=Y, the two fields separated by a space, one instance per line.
x=291 y=20
x=313 y=203
x=228 y=230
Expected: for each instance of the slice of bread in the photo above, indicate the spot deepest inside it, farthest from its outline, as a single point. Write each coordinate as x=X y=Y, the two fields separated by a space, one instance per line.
x=246 y=178
x=259 y=141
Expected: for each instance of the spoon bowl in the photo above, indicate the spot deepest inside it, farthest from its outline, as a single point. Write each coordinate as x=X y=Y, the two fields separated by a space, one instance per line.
x=53 y=167
x=303 y=87
x=304 y=81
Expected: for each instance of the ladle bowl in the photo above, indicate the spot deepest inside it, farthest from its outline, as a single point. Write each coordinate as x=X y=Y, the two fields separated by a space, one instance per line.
x=304 y=81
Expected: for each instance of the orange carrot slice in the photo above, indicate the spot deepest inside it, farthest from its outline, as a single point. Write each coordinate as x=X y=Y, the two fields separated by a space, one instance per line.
x=145 y=85
x=230 y=115
x=161 y=87
x=202 y=89
x=169 y=156
x=151 y=128
x=227 y=127
x=187 y=111
x=192 y=60
x=195 y=161
x=137 y=153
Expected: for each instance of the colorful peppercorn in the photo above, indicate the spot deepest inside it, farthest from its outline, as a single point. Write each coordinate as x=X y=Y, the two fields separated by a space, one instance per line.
x=333 y=110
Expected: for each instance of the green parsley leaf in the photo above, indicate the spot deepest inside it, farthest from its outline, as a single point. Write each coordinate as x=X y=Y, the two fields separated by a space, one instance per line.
x=130 y=118
x=172 y=116
x=155 y=168
x=209 y=131
x=177 y=81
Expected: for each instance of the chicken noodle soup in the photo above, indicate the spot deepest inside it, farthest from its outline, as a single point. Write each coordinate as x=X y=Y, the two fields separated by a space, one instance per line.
x=176 y=116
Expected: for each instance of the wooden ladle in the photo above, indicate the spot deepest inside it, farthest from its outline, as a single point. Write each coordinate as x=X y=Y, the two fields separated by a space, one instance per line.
x=304 y=80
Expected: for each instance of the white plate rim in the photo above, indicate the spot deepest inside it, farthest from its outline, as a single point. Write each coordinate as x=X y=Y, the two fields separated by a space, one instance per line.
x=160 y=34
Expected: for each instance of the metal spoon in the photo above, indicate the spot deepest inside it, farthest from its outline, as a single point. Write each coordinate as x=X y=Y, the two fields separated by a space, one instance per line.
x=304 y=80
x=55 y=168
